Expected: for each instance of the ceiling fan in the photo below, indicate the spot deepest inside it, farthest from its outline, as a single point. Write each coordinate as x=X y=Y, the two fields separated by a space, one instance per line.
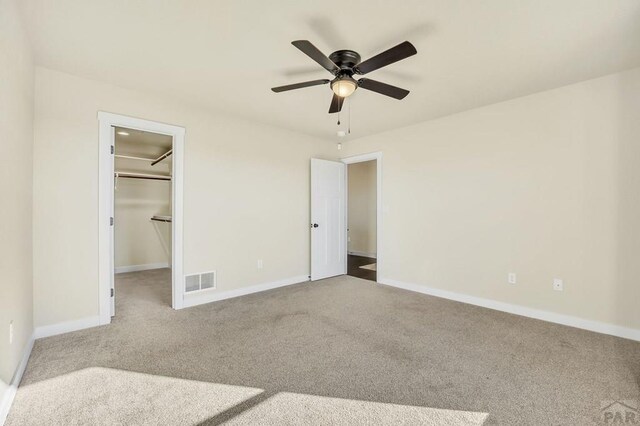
x=344 y=64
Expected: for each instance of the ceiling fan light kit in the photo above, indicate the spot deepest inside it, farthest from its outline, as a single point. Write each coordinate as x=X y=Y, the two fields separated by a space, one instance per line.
x=344 y=64
x=344 y=85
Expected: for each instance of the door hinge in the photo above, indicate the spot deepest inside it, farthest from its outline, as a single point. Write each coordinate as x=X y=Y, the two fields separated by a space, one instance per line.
x=112 y=292
x=111 y=221
x=113 y=149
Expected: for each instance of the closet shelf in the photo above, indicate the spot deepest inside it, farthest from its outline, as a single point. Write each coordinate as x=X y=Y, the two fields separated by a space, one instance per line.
x=153 y=161
x=162 y=157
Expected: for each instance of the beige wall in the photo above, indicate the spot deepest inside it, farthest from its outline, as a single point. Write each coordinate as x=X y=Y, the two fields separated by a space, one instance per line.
x=138 y=240
x=16 y=142
x=246 y=194
x=362 y=207
x=546 y=186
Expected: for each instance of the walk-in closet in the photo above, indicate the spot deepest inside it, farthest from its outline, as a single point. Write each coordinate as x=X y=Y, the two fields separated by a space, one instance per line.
x=142 y=216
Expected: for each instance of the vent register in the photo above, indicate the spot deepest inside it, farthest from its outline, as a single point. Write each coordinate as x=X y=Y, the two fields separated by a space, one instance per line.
x=199 y=282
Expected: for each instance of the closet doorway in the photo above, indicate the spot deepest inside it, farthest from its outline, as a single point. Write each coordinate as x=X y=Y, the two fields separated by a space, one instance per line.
x=143 y=165
x=140 y=236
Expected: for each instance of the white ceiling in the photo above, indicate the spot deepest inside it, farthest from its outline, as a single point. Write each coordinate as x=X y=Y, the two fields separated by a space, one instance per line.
x=228 y=54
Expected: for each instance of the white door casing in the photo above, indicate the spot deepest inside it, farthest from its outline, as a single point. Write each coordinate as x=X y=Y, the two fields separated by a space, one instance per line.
x=105 y=207
x=328 y=219
x=112 y=215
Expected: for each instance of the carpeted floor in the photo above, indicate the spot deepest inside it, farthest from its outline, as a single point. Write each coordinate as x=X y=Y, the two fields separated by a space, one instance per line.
x=339 y=351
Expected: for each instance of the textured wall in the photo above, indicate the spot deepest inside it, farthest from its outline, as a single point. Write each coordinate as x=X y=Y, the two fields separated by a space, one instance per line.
x=362 y=207
x=545 y=186
x=246 y=193
x=16 y=140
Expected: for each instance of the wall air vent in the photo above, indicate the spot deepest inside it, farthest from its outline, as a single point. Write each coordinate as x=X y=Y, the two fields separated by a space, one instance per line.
x=199 y=282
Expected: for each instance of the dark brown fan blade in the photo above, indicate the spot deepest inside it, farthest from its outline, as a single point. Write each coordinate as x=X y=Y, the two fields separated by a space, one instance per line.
x=383 y=88
x=311 y=51
x=336 y=104
x=395 y=54
x=299 y=85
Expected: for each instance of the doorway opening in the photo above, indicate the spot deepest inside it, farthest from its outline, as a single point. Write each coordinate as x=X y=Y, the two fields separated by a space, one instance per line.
x=364 y=251
x=329 y=219
x=140 y=212
x=143 y=165
x=362 y=220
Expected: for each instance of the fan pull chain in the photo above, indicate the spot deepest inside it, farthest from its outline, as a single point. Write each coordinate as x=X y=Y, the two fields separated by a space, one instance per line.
x=339 y=110
x=349 y=120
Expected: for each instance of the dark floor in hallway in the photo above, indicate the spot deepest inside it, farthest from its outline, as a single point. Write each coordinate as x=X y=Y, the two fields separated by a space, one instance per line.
x=354 y=269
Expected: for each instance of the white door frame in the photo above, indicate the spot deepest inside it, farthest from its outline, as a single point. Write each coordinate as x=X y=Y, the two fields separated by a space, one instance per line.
x=377 y=156
x=105 y=204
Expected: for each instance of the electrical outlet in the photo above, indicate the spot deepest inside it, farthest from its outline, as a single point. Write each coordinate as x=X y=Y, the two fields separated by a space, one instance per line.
x=558 y=285
x=259 y=263
x=11 y=332
x=511 y=278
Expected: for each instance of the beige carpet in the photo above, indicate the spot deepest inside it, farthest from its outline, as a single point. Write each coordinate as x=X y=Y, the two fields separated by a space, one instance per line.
x=339 y=351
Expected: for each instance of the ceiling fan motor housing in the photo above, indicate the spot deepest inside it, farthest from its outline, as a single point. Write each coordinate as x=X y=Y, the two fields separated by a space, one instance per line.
x=345 y=60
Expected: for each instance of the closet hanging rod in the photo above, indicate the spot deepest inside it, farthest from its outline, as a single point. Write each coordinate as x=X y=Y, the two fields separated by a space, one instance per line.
x=161 y=219
x=162 y=157
x=140 y=176
x=129 y=157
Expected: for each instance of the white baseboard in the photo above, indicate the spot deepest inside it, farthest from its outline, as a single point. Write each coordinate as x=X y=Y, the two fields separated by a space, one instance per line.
x=10 y=393
x=361 y=253
x=136 y=268
x=598 y=327
x=67 y=327
x=214 y=296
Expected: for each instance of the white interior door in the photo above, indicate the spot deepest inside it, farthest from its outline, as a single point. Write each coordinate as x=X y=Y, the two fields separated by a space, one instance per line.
x=328 y=219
